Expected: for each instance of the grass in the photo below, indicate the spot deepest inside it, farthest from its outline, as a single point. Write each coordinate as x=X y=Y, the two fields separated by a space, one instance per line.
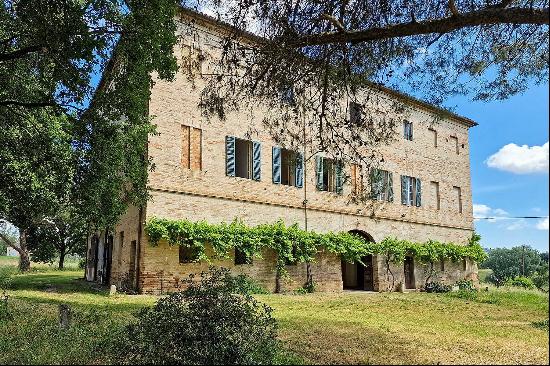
x=494 y=327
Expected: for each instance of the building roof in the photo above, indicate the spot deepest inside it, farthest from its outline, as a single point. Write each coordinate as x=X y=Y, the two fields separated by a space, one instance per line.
x=216 y=23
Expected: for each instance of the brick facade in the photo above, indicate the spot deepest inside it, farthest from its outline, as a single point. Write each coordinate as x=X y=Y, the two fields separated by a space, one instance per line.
x=186 y=187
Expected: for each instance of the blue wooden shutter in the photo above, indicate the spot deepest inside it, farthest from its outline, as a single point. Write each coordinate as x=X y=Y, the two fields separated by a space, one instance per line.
x=256 y=160
x=299 y=170
x=339 y=177
x=276 y=165
x=410 y=131
x=319 y=172
x=230 y=156
x=390 y=186
x=418 y=193
x=404 y=185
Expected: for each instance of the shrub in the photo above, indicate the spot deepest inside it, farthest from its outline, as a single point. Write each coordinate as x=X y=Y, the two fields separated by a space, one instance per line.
x=82 y=263
x=246 y=285
x=308 y=288
x=6 y=274
x=437 y=287
x=211 y=322
x=540 y=279
x=520 y=281
x=543 y=324
x=466 y=285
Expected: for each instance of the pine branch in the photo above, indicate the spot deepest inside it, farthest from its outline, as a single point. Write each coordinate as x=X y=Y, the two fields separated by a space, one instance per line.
x=488 y=16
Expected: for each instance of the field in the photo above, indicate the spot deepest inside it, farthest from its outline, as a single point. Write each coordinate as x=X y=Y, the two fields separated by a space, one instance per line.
x=487 y=328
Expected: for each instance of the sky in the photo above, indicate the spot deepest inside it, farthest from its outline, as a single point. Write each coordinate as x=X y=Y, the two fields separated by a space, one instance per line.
x=509 y=167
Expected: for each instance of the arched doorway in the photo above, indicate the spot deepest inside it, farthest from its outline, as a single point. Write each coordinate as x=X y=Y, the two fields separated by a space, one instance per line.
x=355 y=276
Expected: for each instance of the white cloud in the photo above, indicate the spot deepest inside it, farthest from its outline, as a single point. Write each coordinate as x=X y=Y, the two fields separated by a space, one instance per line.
x=542 y=224
x=517 y=225
x=481 y=210
x=520 y=159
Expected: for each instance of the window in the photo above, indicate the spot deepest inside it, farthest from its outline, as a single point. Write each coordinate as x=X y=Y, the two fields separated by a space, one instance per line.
x=454 y=140
x=381 y=185
x=435 y=195
x=191 y=148
x=243 y=158
x=411 y=191
x=357 y=178
x=434 y=136
x=464 y=264
x=355 y=113
x=188 y=254
x=329 y=175
x=458 y=193
x=287 y=96
x=407 y=130
x=287 y=167
x=241 y=257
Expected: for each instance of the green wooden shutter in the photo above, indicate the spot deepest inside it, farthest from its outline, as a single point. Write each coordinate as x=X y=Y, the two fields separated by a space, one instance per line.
x=230 y=156
x=339 y=177
x=404 y=183
x=299 y=170
x=418 y=193
x=276 y=165
x=256 y=160
x=319 y=173
x=390 y=187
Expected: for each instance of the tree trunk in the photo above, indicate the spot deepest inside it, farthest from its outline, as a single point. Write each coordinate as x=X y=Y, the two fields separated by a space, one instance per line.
x=24 y=258
x=309 y=275
x=61 y=258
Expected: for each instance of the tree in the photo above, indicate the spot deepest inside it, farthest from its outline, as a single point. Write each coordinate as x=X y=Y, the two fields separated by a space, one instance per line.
x=49 y=54
x=508 y=263
x=10 y=233
x=36 y=173
x=63 y=234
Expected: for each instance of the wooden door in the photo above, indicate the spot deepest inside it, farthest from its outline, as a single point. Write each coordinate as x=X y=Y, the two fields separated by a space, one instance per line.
x=409 y=272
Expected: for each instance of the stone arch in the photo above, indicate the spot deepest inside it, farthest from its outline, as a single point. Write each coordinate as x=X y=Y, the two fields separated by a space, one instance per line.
x=355 y=276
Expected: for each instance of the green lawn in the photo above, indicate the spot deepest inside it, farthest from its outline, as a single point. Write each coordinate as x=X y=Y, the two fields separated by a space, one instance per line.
x=352 y=327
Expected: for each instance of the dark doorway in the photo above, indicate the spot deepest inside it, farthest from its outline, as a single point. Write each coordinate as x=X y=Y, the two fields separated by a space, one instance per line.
x=107 y=259
x=409 y=272
x=132 y=269
x=356 y=276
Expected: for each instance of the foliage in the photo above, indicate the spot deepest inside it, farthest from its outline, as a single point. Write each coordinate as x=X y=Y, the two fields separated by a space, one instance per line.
x=507 y=262
x=520 y=281
x=466 y=285
x=543 y=324
x=540 y=278
x=246 y=285
x=6 y=276
x=63 y=234
x=294 y=245
x=437 y=287
x=208 y=323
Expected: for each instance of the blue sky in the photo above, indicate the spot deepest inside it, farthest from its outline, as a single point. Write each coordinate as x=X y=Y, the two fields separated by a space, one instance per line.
x=517 y=184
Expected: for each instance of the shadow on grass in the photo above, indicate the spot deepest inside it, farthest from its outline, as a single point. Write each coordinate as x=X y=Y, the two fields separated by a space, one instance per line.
x=56 y=282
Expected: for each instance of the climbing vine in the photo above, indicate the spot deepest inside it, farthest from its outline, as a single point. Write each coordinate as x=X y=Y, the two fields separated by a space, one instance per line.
x=294 y=245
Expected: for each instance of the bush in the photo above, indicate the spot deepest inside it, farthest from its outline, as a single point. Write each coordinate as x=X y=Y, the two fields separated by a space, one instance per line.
x=211 y=322
x=466 y=285
x=246 y=285
x=520 y=281
x=540 y=279
x=543 y=324
x=6 y=274
x=437 y=287
x=82 y=263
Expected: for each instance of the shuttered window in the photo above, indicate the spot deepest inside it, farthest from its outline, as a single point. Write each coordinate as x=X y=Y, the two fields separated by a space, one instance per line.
x=458 y=195
x=454 y=140
x=381 y=185
x=411 y=191
x=243 y=158
x=329 y=175
x=287 y=167
x=191 y=148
